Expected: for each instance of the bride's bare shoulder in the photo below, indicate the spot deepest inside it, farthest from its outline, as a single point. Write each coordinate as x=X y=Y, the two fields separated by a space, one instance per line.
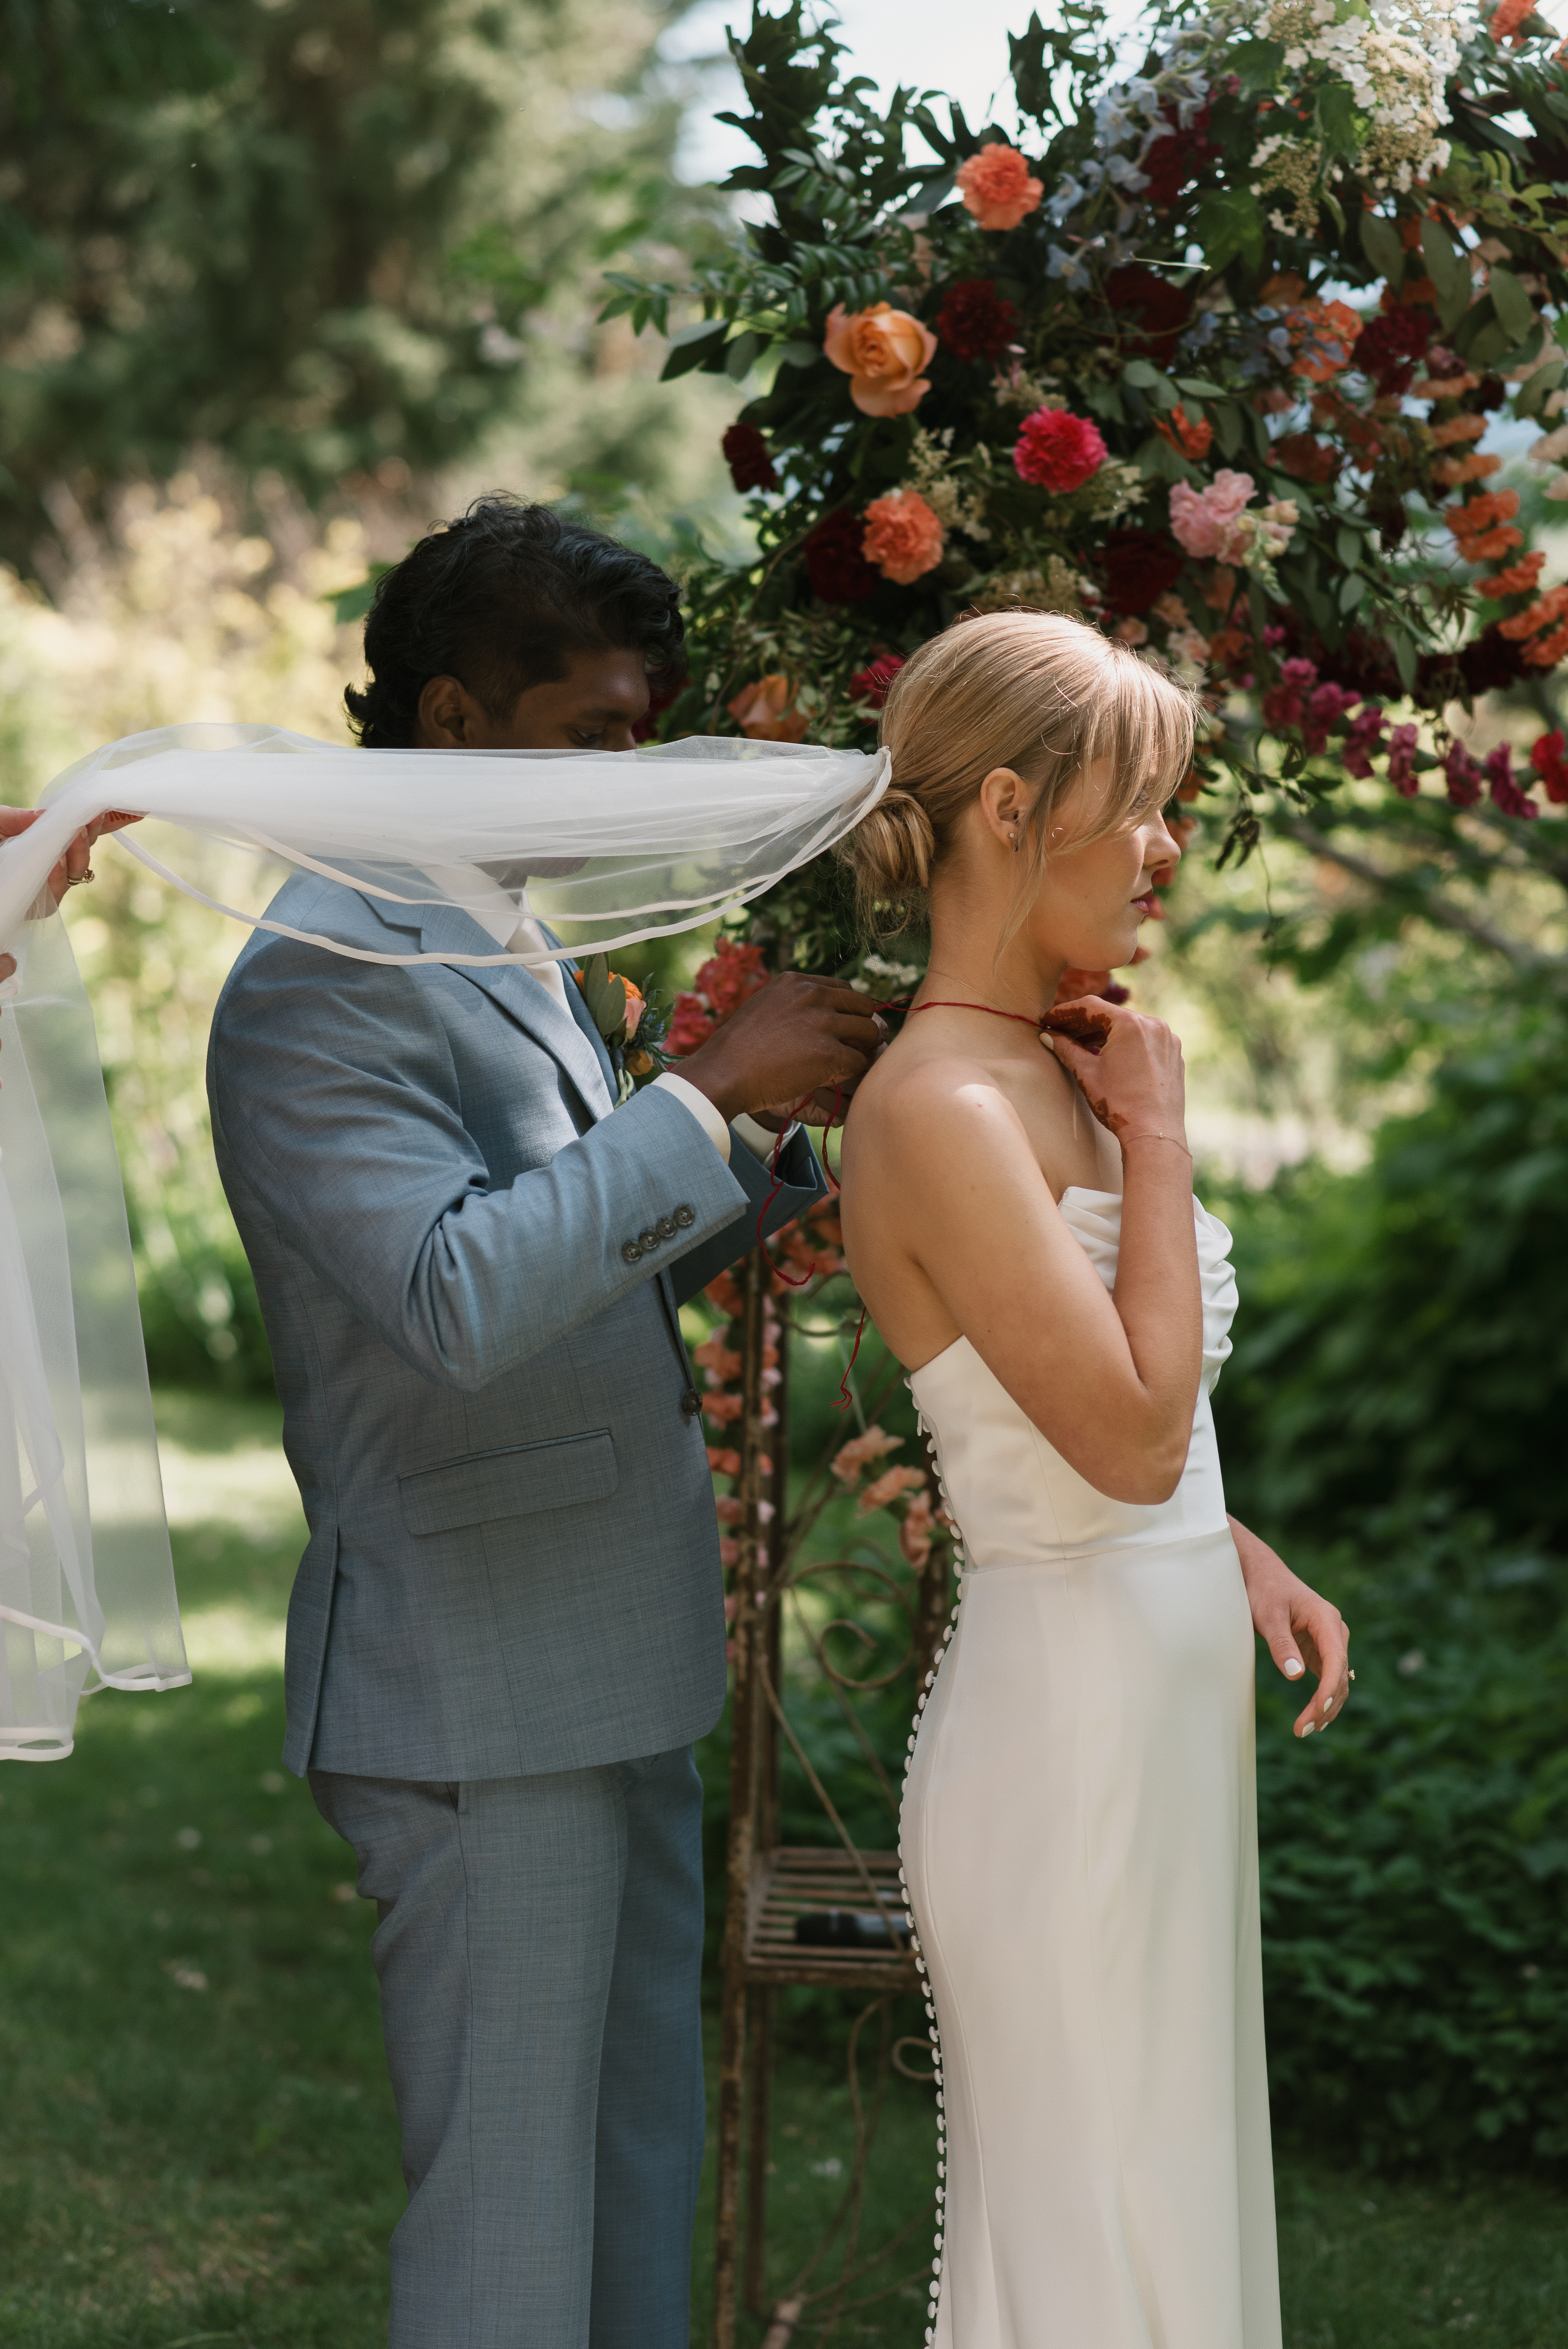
x=916 y=1080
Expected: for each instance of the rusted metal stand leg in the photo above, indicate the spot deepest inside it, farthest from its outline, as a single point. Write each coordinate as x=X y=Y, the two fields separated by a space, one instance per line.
x=758 y=2132
x=748 y=1635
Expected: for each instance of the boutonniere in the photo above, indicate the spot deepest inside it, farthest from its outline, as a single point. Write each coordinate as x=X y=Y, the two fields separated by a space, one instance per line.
x=632 y=1020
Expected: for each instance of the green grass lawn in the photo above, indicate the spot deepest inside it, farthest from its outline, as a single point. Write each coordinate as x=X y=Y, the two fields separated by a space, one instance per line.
x=199 y=2143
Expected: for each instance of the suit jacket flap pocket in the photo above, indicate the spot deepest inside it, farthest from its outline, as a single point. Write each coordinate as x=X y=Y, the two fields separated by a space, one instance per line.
x=515 y=1482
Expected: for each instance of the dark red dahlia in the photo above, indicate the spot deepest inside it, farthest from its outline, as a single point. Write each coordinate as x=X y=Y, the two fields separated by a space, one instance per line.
x=1388 y=347
x=1150 y=311
x=871 y=683
x=975 y=322
x=745 y=454
x=1490 y=661
x=1175 y=160
x=837 y=569
x=1306 y=459
x=1138 y=566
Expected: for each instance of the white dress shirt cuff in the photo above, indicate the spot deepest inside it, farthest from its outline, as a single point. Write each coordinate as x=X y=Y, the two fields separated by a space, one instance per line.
x=761 y=1141
x=692 y=1098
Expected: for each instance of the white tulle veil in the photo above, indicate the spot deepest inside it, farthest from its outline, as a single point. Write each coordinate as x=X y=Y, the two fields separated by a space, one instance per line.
x=606 y=849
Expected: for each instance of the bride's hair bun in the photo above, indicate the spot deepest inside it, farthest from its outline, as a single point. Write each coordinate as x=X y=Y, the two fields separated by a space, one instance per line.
x=891 y=854
x=1034 y=691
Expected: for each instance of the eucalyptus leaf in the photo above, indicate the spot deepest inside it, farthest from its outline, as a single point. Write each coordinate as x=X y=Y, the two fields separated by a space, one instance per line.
x=1404 y=653
x=1351 y=591
x=1348 y=546
x=1142 y=373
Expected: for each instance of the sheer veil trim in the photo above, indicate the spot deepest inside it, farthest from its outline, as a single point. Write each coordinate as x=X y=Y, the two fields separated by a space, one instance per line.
x=608 y=849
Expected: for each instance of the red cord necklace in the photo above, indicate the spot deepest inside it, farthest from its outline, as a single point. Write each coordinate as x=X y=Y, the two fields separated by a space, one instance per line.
x=1021 y=1017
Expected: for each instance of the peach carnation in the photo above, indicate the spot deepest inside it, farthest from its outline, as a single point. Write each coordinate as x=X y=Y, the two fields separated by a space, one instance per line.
x=852 y=1458
x=997 y=187
x=765 y=710
x=882 y=351
x=902 y=538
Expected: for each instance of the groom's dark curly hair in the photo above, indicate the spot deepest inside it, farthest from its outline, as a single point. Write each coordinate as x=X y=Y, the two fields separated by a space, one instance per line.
x=502 y=598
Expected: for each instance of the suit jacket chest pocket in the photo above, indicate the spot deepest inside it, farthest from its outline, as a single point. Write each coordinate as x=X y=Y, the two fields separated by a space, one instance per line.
x=517 y=1482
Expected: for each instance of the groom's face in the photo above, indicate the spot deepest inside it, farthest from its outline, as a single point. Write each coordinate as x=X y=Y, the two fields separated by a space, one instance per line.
x=595 y=707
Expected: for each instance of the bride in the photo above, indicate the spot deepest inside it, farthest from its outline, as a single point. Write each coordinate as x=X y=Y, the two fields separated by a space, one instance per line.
x=1078 y=1832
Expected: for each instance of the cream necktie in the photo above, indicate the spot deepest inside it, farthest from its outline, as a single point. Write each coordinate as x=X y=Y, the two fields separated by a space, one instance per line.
x=529 y=941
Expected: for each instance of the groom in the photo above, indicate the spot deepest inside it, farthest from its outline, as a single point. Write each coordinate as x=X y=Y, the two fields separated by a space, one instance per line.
x=507 y=1625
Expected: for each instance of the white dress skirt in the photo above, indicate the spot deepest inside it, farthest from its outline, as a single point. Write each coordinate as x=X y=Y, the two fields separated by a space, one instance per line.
x=1079 y=1847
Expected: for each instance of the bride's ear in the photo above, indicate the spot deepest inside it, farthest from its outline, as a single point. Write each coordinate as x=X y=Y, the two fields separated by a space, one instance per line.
x=1005 y=801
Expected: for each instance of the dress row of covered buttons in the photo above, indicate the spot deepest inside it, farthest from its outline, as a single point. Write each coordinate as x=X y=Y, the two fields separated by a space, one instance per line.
x=632 y=1251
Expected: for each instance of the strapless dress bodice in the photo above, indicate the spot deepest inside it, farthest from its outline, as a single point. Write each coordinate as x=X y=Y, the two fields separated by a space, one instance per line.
x=1015 y=1499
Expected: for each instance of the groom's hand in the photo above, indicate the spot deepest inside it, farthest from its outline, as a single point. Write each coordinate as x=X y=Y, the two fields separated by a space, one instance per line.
x=797 y=1037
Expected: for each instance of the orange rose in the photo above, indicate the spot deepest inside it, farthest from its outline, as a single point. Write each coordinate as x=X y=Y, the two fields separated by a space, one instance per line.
x=882 y=351
x=904 y=537
x=997 y=187
x=763 y=710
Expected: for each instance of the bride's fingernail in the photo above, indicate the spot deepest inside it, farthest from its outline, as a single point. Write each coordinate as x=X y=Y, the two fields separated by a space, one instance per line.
x=1294 y=1669
x=1308 y=1729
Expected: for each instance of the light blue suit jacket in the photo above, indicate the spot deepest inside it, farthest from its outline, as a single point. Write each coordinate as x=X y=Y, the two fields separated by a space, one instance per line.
x=513 y=1559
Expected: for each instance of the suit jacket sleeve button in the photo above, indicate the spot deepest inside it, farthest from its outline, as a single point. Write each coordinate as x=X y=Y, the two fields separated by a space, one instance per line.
x=667 y=1227
x=685 y=1217
x=630 y=1252
x=647 y=1242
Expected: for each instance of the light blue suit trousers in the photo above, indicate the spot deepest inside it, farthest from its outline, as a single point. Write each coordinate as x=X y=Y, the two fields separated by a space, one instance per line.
x=540 y=1954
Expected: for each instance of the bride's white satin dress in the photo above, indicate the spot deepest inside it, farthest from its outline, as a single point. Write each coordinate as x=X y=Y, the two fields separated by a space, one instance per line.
x=1079 y=1847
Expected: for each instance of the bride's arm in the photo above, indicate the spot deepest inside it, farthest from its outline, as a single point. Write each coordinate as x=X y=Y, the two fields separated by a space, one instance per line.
x=1111 y=1383
x=1304 y=1632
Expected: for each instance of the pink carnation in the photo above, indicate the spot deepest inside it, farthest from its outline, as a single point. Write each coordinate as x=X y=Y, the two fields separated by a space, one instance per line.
x=903 y=537
x=1206 y=521
x=1057 y=450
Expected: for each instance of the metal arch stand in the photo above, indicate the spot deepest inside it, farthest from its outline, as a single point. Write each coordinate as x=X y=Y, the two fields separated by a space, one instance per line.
x=769 y=1887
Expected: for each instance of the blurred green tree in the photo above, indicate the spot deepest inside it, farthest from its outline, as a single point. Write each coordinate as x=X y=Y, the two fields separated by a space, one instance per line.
x=320 y=239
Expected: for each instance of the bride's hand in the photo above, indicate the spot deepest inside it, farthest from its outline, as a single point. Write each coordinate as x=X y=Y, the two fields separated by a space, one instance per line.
x=1128 y=1066
x=1304 y=1632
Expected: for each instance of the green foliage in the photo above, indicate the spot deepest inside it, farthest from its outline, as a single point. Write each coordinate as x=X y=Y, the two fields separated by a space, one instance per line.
x=315 y=239
x=1415 y=1858
x=1405 y=1330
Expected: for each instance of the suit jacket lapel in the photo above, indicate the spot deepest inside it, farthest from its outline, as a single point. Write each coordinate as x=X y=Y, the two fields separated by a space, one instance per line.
x=446 y=929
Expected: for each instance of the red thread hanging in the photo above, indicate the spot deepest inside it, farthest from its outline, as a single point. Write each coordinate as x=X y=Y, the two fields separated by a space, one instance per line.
x=845 y=1399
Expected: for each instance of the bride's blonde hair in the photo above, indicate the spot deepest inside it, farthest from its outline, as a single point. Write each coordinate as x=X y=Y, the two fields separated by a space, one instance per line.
x=1035 y=691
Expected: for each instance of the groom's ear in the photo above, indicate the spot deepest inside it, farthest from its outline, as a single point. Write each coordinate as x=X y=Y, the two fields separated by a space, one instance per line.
x=448 y=717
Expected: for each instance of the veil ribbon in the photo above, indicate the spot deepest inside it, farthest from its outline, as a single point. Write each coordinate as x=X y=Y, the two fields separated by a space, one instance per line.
x=609 y=849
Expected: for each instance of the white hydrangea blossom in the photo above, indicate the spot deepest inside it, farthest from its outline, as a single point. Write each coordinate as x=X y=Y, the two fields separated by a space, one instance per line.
x=1394 y=56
